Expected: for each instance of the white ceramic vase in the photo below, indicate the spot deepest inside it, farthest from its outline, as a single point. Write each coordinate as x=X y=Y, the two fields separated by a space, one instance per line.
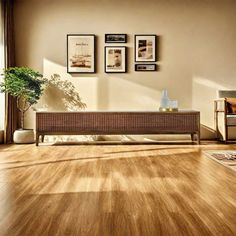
x=164 y=99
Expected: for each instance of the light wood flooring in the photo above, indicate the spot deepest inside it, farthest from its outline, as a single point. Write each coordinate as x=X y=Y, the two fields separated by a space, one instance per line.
x=115 y=190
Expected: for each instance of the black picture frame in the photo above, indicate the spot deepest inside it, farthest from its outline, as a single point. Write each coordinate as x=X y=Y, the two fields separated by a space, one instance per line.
x=144 y=67
x=123 y=59
x=115 y=38
x=76 y=64
x=145 y=37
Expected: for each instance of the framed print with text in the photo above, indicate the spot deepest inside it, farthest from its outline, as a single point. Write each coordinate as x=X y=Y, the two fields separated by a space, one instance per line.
x=81 y=53
x=115 y=59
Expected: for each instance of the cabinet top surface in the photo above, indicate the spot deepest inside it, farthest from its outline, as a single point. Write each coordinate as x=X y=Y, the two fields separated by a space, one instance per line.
x=122 y=111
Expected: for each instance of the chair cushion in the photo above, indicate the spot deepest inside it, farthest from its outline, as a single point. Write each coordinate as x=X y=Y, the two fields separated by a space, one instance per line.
x=231 y=119
x=231 y=105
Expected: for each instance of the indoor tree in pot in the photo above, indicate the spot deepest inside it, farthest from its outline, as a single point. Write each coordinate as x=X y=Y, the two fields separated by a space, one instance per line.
x=26 y=85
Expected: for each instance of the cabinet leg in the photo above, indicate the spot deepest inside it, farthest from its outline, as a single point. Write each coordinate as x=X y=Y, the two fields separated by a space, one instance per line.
x=192 y=137
x=198 y=138
x=226 y=134
x=37 y=139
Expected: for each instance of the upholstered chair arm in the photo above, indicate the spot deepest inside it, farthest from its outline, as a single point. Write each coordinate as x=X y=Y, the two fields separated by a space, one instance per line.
x=220 y=105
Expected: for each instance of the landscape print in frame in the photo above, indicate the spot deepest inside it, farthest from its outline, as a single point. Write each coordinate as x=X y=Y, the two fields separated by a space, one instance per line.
x=115 y=38
x=145 y=48
x=81 y=53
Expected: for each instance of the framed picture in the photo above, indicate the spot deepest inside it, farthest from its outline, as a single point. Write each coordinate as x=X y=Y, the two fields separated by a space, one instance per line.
x=115 y=38
x=81 y=53
x=145 y=67
x=145 y=48
x=115 y=59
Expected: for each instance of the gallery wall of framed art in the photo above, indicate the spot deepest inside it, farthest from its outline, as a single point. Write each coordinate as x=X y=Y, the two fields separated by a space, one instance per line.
x=81 y=53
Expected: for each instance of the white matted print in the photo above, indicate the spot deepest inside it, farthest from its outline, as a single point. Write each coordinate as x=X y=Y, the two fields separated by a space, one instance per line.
x=80 y=53
x=145 y=48
x=115 y=59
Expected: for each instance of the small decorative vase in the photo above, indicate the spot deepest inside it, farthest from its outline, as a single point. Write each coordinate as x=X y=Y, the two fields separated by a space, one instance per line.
x=164 y=100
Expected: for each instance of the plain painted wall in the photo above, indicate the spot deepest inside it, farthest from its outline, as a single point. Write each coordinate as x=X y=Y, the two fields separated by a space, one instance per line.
x=196 y=50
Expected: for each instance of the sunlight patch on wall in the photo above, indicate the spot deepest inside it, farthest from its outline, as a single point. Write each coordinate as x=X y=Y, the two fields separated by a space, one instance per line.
x=127 y=95
x=209 y=83
x=104 y=92
x=86 y=86
x=204 y=91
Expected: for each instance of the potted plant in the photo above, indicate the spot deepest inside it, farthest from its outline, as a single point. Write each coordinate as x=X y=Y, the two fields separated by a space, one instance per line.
x=26 y=85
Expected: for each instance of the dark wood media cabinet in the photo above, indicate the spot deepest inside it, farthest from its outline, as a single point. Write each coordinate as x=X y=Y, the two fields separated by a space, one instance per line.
x=117 y=122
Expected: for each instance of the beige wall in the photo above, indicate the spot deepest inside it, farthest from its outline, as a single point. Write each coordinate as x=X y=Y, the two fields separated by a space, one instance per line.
x=197 y=50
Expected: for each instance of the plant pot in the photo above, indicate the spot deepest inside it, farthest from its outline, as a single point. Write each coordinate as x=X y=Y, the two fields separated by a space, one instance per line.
x=24 y=136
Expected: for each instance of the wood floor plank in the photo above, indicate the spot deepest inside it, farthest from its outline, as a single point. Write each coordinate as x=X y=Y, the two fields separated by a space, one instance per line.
x=115 y=190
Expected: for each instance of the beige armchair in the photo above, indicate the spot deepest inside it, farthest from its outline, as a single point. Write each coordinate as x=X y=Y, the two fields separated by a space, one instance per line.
x=225 y=116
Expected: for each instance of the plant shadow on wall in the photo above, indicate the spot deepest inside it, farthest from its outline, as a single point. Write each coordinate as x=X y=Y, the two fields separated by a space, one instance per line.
x=61 y=95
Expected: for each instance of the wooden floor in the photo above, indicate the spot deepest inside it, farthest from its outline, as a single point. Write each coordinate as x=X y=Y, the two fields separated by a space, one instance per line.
x=115 y=190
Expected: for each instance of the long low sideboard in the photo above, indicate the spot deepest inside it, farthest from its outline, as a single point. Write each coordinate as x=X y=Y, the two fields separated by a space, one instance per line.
x=117 y=123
